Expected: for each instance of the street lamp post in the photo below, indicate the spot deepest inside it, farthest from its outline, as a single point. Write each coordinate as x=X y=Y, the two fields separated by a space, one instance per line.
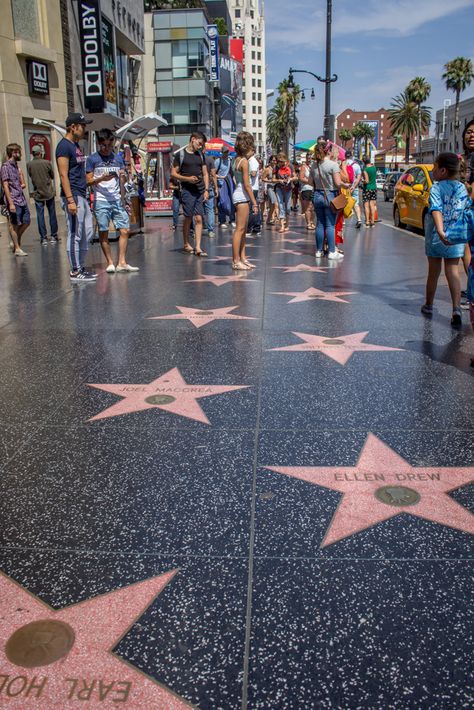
x=295 y=93
x=328 y=79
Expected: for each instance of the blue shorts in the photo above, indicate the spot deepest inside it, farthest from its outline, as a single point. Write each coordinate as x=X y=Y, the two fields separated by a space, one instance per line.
x=106 y=212
x=193 y=203
x=20 y=216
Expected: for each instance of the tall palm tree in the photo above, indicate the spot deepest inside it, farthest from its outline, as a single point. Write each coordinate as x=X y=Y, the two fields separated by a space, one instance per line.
x=405 y=117
x=281 y=120
x=457 y=77
x=345 y=136
x=419 y=89
x=365 y=132
x=357 y=136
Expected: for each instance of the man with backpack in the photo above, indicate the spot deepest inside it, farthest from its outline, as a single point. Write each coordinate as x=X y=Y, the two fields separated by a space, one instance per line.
x=190 y=170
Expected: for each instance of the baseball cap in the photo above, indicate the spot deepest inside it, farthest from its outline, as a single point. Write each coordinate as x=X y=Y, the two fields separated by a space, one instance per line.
x=77 y=118
x=36 y=150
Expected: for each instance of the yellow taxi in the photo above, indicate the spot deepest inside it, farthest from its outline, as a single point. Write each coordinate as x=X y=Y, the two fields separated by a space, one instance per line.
x=412 y=193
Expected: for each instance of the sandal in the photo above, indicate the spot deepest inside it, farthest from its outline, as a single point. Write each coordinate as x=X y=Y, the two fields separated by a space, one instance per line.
x=199 y=253
x=248 y=264
x=187 y=251
x=239 y=266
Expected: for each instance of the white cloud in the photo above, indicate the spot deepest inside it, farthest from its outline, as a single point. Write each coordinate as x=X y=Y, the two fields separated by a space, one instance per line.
x=293 y=24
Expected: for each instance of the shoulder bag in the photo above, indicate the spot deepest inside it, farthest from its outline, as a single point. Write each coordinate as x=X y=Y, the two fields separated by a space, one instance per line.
x=337 y=203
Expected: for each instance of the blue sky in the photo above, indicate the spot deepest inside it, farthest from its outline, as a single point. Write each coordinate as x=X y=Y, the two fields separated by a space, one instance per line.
x=378 y=46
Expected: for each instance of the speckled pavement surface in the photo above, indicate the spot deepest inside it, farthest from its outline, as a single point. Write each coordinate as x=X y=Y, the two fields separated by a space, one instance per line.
x=255 y=496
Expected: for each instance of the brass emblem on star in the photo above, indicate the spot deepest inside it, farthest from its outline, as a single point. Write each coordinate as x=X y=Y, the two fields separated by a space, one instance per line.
x=398 y=496
x=39 y=643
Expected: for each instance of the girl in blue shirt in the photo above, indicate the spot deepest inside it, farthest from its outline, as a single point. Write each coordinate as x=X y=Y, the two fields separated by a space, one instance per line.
x=446 y=232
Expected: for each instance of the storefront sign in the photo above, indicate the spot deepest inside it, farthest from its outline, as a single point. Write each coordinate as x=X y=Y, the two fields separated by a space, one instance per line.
x=158 y=205
x=159 y=146
x=38 y=82
x=213 y=35
x=91 y=54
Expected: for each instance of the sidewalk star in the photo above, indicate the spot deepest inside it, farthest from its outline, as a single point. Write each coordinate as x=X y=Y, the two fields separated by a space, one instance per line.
x=169 y=392
x=383 y=485
x=64 y=658
x=340 y=348
x=315 y=294
x=221 y=280
x=199 y=317
x=303 y=267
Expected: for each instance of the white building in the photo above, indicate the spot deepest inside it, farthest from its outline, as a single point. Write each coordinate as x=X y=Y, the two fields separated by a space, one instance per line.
x=248 y=23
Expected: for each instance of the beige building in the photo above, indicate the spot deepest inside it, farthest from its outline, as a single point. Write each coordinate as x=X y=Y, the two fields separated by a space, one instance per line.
x=32 y=80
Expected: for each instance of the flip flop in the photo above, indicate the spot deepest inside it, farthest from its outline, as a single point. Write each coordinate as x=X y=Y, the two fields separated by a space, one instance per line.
x=187 y=251
x=199 y=253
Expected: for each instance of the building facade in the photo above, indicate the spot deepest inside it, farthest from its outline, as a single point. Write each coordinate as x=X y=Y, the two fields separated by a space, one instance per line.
x=248 y=24
x=122 y=34
x=32 y=78
x=446 y=137
x=178 y=83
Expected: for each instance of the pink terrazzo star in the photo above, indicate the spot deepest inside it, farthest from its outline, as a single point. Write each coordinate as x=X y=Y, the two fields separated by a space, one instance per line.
x=221 y=280
x=303 y=267
x=169 y=392
x=63 y=659
x=225 y=259
x=340 y=348
x=383 y=485
x=291 y=240
x=199 y=317
x=229 y=246
x=315 y=294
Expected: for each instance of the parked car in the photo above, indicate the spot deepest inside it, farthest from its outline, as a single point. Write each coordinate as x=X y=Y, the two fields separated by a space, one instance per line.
x=379 y=180
x=412 y=193
x=390 y=181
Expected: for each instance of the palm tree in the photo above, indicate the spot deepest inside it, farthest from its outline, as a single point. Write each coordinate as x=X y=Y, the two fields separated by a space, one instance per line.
x=405 y=117
x=345 y=136
x=357 y=135
x=282 y=121
x=419 y=89
x=458 y=76
x=364 y=131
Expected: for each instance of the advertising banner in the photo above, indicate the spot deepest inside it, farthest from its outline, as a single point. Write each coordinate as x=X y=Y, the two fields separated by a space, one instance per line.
x=231 y=97
x=375 y=126
x=236 y=49
x=213 y=36
x=109 y=65
x=90 y=39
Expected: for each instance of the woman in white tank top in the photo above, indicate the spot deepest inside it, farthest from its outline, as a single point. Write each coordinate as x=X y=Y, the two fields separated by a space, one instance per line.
x=242 y=197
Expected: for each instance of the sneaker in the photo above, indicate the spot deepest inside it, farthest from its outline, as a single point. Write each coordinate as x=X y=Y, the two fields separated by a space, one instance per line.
x=427 y=310
x=456 y=320
x=335 y=255
x=233 y=224
x=248 y=234
x=127 y=267
x=82 y=276
x=55 y=240
x=257 y=234
x=318 y=254
x=110 y=269
x=20 y=252
x=210 y=234
x=174 y=227
x=44 y=242
x=358 y=225
x=224 y=225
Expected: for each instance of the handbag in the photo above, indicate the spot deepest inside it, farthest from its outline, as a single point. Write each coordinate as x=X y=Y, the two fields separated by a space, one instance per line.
x=337 y=203
x=349 y=206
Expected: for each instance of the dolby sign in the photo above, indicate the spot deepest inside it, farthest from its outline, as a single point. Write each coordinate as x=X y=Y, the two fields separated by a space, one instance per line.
x=38 y=82
x=91 y=54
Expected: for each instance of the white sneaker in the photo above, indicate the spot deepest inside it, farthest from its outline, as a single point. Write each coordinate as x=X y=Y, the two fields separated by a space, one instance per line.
x=335 y=255
x=127 y=267
x=223 y=225
x=233 y=224
x=318 y=254
x=110 y=269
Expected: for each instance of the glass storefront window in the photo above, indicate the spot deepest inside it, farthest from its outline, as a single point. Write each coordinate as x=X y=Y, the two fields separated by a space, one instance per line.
x=25 y=19
x=122 y=82
x=189 y=59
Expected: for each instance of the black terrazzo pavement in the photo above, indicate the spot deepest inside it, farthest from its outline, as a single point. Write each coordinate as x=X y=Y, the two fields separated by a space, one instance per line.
x=259 y=616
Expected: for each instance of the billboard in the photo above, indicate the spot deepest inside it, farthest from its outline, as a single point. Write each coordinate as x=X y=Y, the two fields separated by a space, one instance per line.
x=375 y=126
x=231 y=97
x=90 y=39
